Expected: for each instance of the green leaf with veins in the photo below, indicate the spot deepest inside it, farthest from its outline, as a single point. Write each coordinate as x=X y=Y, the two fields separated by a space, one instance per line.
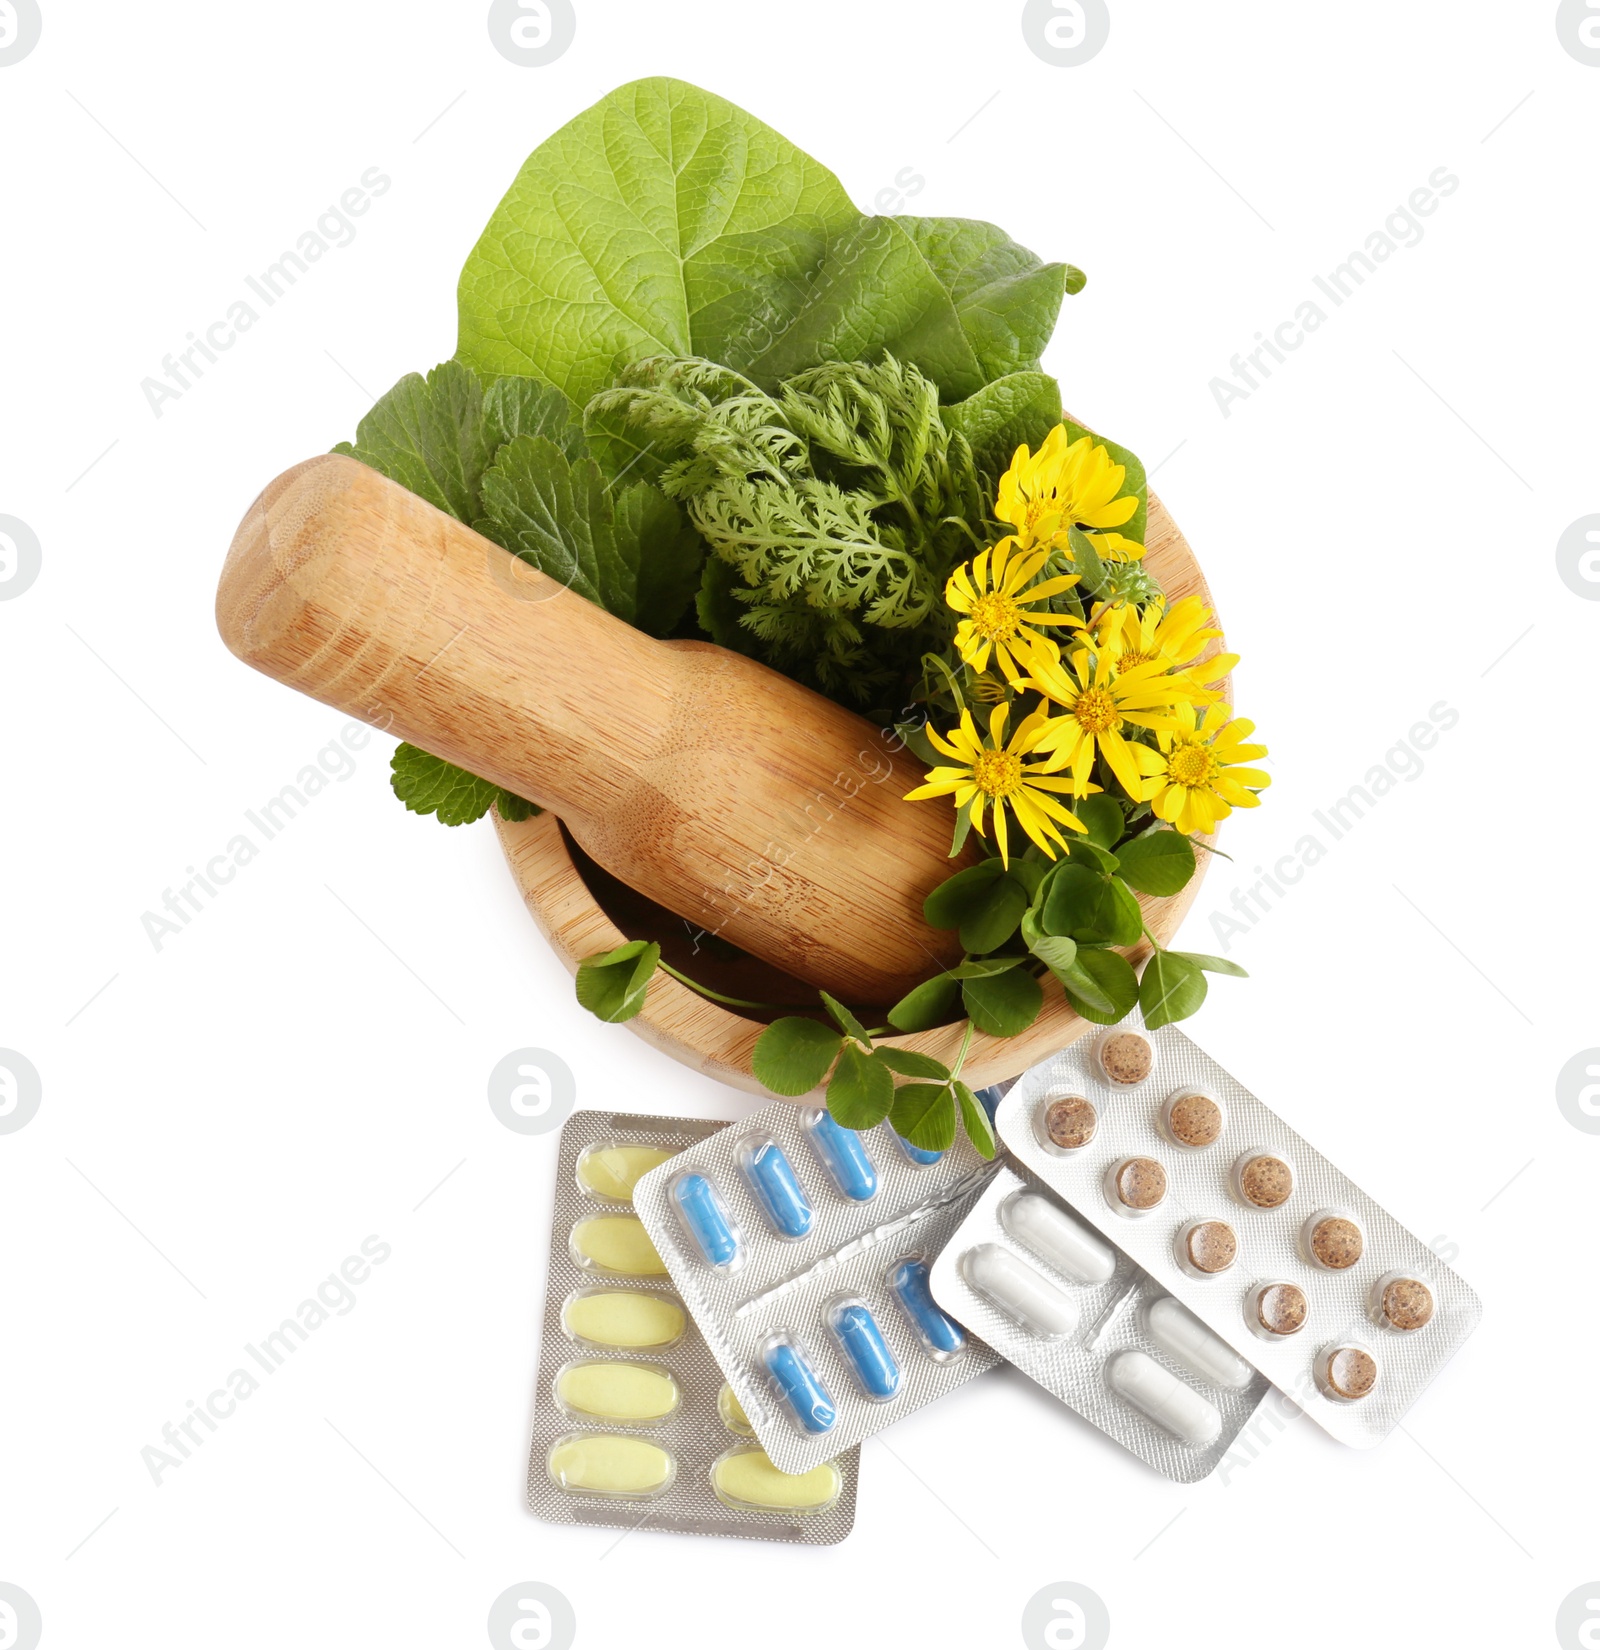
x=611 y=984
x=1003 y=1004
x=1102 y=814
x=846 y=1021
x=983 y=901
x=1091 y=907
x=792 y=1055
x=630 y=552
x=1022 y=407
x=1212 y=965
x=933 y=1003
x=907 y=1062
x=975 y=1119
x=1101 y=986
x=429 y=785
x=861 y=1089
x=1173 y=988
x=1160 y=861
x=925 y=1114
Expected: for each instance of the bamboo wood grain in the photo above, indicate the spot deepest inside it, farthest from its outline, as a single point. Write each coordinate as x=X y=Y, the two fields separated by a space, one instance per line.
x=719 y=1041
x=725 y=792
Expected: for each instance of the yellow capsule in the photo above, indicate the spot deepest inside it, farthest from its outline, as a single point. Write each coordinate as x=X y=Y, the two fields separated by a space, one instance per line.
x=746 y=1478
x=627 y=1394
x=618 y=1244
x=613 y=1171
x=622 y=1317
x=606 y=1463
x=732 y=1412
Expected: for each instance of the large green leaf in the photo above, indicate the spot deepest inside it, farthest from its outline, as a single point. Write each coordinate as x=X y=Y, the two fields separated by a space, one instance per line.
x=629 y=551
x=861 y=1089
x=1091 y=907
x=875 y=293
x=1160 y=861
x=983 y=901
x=1101 y=986
x=663 y=220
x=1020 y=408
x=1003 y=1004
x=933 y=1003
x=1173 y=988
x=612 y=984
x=436 y=435
x=1006 y=297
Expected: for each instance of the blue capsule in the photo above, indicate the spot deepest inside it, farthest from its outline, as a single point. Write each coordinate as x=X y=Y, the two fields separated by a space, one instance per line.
x=776 y=1187
x=843 y=1154
x=918 y=1155
x=705 y=1219
x=941 y=1334
x=864 y=1348
x=798 y=1385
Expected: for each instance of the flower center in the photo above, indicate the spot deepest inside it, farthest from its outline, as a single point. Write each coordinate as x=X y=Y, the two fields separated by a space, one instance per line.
x=1132 y=658
x=1096 y=710
x=1191 y=765
x=996 y=617
x=997 y=773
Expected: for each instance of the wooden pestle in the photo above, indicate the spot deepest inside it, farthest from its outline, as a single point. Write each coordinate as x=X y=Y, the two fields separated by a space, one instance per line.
x=740 y=800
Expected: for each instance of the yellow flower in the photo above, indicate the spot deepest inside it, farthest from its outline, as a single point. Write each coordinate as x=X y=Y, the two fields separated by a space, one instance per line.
x=1195 y=779
x=1175 y=636
x=1063 y=485
x=1099 y=701
x=990 y=592
x=996 y=773
x=1114 y=547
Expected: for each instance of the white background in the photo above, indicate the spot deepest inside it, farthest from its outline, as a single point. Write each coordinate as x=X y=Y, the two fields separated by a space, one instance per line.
x=225 y=1119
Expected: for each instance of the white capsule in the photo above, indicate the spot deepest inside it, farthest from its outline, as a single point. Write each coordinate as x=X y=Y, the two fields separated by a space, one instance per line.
x=1184 y=1338
x=1021 y=1291
x=1164 y=1398
x=1056 y=1238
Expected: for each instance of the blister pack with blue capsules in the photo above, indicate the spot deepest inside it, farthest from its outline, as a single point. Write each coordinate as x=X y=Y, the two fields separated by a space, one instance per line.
x=803 y=1252
x=633 y=1424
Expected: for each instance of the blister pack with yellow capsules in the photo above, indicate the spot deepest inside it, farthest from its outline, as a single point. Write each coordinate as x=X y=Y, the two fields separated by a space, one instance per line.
x=1172 y=1159
x=803 y=1251
x=634 y=1426
x=1094 y=1329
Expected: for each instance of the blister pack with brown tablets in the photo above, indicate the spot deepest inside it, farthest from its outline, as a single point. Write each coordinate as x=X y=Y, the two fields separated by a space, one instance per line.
x=1268 y=1244
x=633 y=1424
x=1094 y=1329
x=803 y=1251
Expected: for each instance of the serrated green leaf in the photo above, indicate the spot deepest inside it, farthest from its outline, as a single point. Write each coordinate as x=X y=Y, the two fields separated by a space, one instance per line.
x=861 y=1089
x=1172 y=989
x=1003 y=1004
x=925 y=1114
x=1101 y=986
x=1160 y=861
x=611 y=984
x=909 y=1063
x=428 y=784
x=846 y=1021
x=975 y=1120
x=630 y=551
x=933 y=1003
x=792 y=1055
x=1212 y=965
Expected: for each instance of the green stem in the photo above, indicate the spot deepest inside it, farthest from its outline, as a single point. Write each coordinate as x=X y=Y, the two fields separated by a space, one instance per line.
x=961 y=1058
x=732 y=1002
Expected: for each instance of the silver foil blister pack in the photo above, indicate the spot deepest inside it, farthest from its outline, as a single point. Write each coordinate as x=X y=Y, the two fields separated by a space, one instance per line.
x=1100 y=1329
x=804 y=1252
x=633 y=1424
x=1263 y=1239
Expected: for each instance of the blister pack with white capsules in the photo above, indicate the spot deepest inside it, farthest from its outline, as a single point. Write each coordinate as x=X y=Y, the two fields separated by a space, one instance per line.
x=1094 y=1329
x=633 y=1424
x=1180 y=1166
x=803 y=1252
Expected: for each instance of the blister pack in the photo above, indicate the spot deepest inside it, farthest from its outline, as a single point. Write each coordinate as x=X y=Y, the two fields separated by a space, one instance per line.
x=803 y=1251
x=1170 y=1157
x=633 y=1424
x=1094 y=1329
